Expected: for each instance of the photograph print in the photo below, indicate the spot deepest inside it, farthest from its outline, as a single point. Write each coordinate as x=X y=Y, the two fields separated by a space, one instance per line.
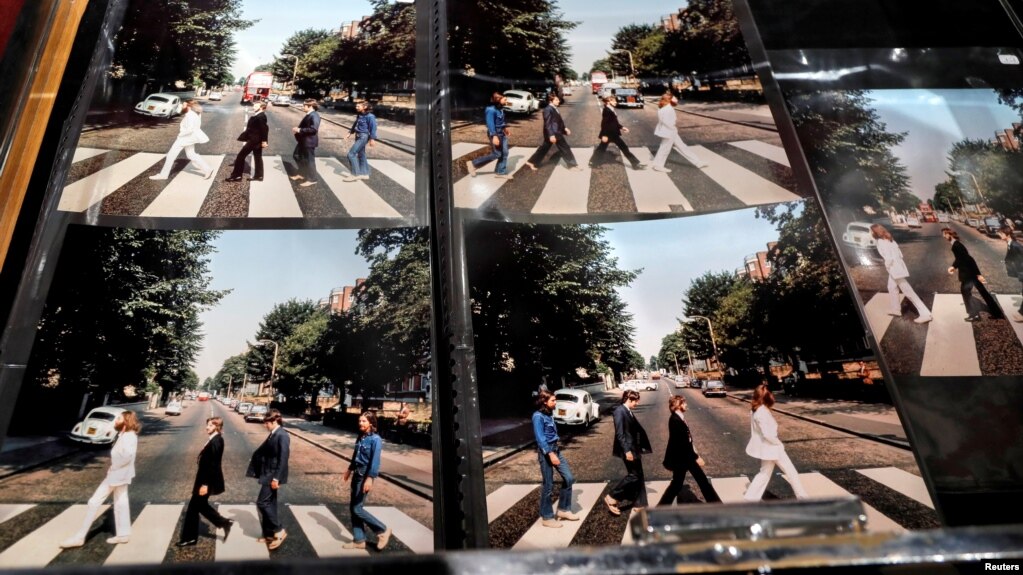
x=230 y=114
x=567 y=110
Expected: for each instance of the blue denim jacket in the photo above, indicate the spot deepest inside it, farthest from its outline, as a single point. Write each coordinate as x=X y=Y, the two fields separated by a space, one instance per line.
x=545 y=431
x=365 y=124
x=366 y=457
x=495 y=121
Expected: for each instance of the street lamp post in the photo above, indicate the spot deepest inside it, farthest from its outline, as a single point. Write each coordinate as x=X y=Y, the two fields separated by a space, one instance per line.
x=677 y=372
x=273 y=366
x=632 y=68
x=713 y=343
x=975 y=185
x=294 y=73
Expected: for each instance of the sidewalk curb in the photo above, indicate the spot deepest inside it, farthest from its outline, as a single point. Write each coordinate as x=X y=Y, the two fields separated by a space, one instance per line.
x=737 y=122
x=33 y=466
x=399 y=482
x=894 y=443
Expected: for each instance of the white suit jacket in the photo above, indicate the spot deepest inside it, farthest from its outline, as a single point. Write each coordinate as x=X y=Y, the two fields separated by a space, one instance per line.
x=763 y=441
x=666 y=122
x=122 y=459
x=190 y=132
x=892 y=256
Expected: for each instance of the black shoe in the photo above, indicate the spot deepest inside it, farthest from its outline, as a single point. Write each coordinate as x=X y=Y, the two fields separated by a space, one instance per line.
x=234 y=179
x=227 y=528
x=189 y=543
x=975 y=317
x=259 y=179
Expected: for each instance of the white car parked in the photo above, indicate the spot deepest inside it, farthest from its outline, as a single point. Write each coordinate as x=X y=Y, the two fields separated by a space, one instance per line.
x=173 y=408
x=161 y=105
x=575 y=407
x=98 y=426
x=858 y=234
x=521 y=102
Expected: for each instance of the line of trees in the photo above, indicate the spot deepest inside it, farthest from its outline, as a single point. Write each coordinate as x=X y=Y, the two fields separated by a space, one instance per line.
x=708 y=40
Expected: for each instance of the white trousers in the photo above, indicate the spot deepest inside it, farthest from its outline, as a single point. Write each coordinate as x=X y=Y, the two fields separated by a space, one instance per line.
x=756 y=488
x=122 y=513
x=173 y=154
x=902 y=284
x=675 y=142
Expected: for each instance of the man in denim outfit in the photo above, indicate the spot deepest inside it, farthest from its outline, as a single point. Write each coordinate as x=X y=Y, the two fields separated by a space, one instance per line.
x=550 y=457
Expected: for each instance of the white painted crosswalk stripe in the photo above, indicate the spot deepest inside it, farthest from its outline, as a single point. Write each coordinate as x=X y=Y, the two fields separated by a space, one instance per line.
x=404 y=177
x=653 y=191
x=763 y=149
x=819 y=486
x=459 y=149
x=243 y=544
x=1010 y=304
x=504 y=497
x=184 y=195
x=730 y=489
x=904 y=482
x=40 y=547
x=584 y=497
x=654 y=491
x=745 y=185
x=412 y=533
x=86 y=153
x=566 y=191
x=324 y=531
x=473 y=192
x=78 y=196
x=877 y=314
x=7 y=511
x=273 y=197
x=356 y=197
x=949 y=349
x=152 y=533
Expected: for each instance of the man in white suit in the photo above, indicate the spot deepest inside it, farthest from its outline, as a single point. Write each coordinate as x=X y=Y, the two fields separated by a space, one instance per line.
x=668 y=133
x=119 y=476
x=189 y=134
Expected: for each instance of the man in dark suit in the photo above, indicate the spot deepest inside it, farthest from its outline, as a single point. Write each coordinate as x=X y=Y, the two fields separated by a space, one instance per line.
x=680 y=457
x=209 y=480
x=611 y=131
x=255 y=138
x=269 y=465
x=630 y=443
x=307 y=136
x=969 y=278
x=554 y=132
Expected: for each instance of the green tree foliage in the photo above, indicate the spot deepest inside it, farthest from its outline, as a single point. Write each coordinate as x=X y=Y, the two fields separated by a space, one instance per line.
x=545 y=303
x=277 y=326
x=628 y=38
x=849 y=150
x=709 y=40
x=673 y=351
x=948 y=197
x=123 y=311
x=231 y=375
x=179 y=40
x=299 y=45
x=703 y=298
x=987 y=173
x=301 y=368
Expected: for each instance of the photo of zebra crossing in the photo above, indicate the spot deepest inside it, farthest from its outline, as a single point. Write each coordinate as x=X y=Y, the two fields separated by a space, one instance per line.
x=116 y=183
x=511 y=509
x=738 y=174
x=951 y=347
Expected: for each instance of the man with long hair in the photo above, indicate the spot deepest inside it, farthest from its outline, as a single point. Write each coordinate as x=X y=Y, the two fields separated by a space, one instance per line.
x=549 y=454
x=969 y=278
x=209 y=480
x=119 y=476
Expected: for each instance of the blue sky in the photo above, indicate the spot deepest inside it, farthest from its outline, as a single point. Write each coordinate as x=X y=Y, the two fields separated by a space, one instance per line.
x=934 y=120
x=598 y=21
x=263 y=268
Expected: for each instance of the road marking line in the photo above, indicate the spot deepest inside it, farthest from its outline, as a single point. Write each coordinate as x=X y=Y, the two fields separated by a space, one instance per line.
x=274 y=196
x=86 y=153
x=404 y=177
x=505 y=497
x=459 y=149
x=654 y=491
x=566 y=191
x=242 y=545
x=819 y=486
x=323 y=530
x=1010 y=304
x=764 y=150
x=745 y=185
x=584 y=496
x=8 y=511
x=185 y=194
x=653 y=191
x=151 y=536
x=473 y=192
x=876 y=311
x=904 y=482
x=90 y=190
x=407 y=530
x=730 y=489
x=950 y=349
x=40 y=547
x=358 y=199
